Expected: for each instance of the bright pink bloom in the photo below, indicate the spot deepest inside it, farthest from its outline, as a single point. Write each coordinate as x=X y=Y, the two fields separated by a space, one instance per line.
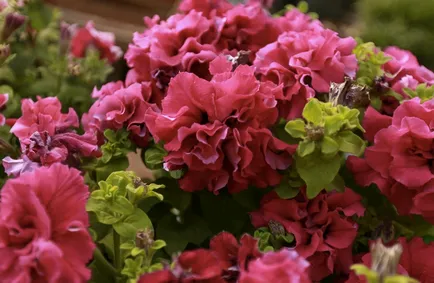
x=209 y=8
x=285 y=266
x=415 y=261
x=46 y=136
x=247 y=27
x=406 y=72
x=400 y=162
x=119 y=107
x=181 y=43
x=294 y=20
x=323 y=229
x=43 y=227
x=305 y=62
x=3 y=100
x=87 y=37
x=218 y=130
x=107 y=89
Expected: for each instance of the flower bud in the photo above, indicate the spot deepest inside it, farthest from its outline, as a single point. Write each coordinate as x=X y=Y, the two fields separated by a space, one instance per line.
x=276 y=228
x=74 y=69
x=349 y=94
x=385 y=259
x=314 y=133
x=144 y=239
x=12 y=22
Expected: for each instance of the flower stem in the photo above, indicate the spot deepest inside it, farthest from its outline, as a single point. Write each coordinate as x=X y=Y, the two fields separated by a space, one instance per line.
x=117 y=250
x=102 y=262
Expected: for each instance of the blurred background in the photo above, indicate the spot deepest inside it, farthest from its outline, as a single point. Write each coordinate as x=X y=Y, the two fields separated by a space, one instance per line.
x=408 y=24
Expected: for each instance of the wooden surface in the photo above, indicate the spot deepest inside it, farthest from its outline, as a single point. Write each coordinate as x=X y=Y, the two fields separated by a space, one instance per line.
x=122 y=17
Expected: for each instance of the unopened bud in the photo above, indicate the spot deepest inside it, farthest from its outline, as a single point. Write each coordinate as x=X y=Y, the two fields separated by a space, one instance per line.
x=74 y=69
x=144 y=239
x=314 y=133
x=242 y=58
x=276 y=228
x=349 y=94
x=12 y=22
x=5 y=51
x=385 y=260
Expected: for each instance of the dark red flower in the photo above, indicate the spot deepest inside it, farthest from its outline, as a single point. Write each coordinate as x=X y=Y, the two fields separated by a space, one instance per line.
x=305 y=63
x=400 y=162
x=415 y=261
x=217 y=129
x=87 y=37
x=323 y=229
x=119 y=107
x=46 y=135
x=283 y=266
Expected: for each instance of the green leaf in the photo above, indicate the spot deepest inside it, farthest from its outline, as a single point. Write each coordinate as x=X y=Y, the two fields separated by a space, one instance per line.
x=351 y=143
x=285 y=191
x=154 y=156
x=333 y=124
x=317 y=171
x=129 y=226
x=337 y=184
x=158 y=244
x=121 y=205
x=40 y=15
x=176 y=174
x=296 y=128
x=118 y=164
x=305 y=148
x=312 y=112
x=177 y=235
x=329 y=146
x=218 y=222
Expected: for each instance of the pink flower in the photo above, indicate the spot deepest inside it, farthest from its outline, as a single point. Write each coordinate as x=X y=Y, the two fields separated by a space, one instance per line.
x=43 y=227
x=45 y=133
x=415 y=261
x=119 y=107
x=15 y=167
x=400 y=160
x=3 y=100
x=305 y=62
x=406 y=72
x=265 y=3
x=247 y=27
x=283 y=266
x=107 y=89
x=323 y=229
x=218 y=131
x=209 y=8
x=87 y=37
x=294 y=20
x=181 y=43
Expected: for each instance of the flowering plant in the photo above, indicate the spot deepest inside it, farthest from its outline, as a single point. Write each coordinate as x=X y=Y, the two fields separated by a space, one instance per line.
x=241 y=147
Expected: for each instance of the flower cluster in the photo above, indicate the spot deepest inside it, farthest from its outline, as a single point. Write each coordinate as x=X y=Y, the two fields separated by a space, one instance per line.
x=46 y=136
x=230 y=261
x=322 y=227
x=400 y=161
x=218 y=130
x=43 y=227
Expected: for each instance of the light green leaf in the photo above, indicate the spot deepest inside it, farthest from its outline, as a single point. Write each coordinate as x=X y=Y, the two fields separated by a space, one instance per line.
x=332 y=124
x=329 y=146
x=121 y=205
x=129 y=226
x=285 y=191
x=154 y=156
x=312 y=112
x=351 y=143
x=158 y=244
x=296 y=128
x=305 y=148
x=317 y=171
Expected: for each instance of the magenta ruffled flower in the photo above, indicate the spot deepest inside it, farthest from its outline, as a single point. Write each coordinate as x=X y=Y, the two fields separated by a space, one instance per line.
x=43 y=227
x=3 y=100
x=46 y=134
x=217 y=130
x=119 y=107
x=305 y=63
x=294 y=20
x=181 y=43
x=283 y=266
x=87 y=37
x=209 y=8
x=400 y=162
x=323 y=228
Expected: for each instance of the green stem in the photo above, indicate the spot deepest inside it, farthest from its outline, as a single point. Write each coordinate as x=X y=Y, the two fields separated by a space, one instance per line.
x=102 y=262
x=117 y=250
